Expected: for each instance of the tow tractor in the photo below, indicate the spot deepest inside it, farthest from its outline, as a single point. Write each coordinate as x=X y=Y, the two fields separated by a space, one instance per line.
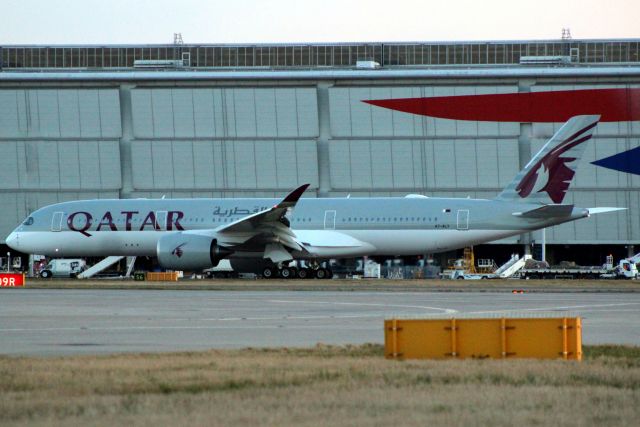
x=625 y=269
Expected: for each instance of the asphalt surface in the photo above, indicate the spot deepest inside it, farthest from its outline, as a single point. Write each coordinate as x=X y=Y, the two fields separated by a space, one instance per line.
x=64 y=322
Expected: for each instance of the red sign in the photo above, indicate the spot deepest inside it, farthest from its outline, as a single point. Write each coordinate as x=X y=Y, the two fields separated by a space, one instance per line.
x=12 y=280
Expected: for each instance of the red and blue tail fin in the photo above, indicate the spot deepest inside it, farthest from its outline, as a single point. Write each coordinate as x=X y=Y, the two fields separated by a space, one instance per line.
x=547 y=177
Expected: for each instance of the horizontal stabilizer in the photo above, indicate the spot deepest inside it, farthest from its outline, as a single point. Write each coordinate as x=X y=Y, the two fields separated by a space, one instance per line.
x=594 y=211
x=547 y=211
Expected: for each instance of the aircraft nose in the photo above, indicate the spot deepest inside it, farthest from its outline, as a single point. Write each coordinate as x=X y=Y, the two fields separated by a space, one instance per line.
x=12 y=241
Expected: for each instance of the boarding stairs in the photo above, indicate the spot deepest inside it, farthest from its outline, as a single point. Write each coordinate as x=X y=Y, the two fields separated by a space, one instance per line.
x=512 y=266
x=106 y=263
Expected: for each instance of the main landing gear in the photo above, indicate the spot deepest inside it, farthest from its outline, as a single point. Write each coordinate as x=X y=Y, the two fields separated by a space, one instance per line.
x=297 y=273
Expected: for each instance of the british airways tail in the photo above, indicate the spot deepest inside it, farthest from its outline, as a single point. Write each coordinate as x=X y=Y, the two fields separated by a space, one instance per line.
x=546 y=178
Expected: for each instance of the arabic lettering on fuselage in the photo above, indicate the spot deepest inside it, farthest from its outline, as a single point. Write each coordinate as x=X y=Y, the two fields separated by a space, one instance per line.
x=218 y=211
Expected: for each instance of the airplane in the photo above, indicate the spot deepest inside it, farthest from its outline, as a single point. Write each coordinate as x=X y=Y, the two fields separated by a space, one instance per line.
x=265 y=235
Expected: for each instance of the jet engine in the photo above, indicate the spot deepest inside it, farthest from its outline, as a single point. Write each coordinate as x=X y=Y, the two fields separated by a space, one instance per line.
x=192 y=252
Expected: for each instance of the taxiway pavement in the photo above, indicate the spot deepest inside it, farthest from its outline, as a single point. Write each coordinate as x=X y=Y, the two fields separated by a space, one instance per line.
x=60 y=322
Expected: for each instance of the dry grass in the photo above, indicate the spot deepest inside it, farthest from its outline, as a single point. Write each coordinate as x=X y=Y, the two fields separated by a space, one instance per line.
x=321 y=386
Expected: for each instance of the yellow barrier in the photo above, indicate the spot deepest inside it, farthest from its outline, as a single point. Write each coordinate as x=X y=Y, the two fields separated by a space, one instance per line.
x=162 y=277
x=541 y=338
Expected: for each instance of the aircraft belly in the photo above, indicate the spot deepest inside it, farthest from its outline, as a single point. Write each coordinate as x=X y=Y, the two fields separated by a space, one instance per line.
x=414 y=242
x=107 y=243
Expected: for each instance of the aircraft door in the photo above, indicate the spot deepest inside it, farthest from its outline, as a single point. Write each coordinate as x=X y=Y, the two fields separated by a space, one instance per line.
x=161 y=220
x=463 y=219
x=56 y=221
x=329 y=220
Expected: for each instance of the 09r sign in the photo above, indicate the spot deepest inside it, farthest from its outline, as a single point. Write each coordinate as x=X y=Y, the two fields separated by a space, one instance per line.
x=8 y=280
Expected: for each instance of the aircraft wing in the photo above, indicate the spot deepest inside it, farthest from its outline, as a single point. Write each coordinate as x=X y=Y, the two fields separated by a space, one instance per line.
x=268 y=228
x=269 y=217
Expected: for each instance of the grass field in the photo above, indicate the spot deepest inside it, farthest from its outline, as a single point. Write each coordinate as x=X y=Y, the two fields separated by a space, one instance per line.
x=352 y=386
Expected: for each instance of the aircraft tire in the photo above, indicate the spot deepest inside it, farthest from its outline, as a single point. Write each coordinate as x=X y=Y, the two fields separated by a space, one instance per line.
x=321 y=273
x=285 y=273
x=46 y=274
x=304 y=273
x=293 y=272
x=268 y=273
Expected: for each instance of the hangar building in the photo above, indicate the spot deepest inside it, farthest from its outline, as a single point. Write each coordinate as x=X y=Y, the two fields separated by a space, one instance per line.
x=79 y=122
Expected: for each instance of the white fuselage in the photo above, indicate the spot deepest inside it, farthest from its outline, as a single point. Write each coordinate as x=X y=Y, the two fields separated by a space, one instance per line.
x=328 y=228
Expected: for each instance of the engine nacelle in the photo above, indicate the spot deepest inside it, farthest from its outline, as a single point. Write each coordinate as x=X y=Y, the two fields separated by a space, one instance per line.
x=192 y=252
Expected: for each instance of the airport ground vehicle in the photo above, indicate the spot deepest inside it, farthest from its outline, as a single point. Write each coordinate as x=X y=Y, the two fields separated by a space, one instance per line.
x=221 y=271
x=65 y=267
x=625 y=269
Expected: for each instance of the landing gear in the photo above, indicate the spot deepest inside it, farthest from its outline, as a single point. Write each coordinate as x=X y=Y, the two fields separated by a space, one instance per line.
x=300 y=273
x=323 y=273
x=45 y=274
x=268 y=273
x=304 y=273
x=288 y=272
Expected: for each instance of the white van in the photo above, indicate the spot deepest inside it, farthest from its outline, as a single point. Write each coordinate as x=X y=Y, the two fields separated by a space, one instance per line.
x=64 y=267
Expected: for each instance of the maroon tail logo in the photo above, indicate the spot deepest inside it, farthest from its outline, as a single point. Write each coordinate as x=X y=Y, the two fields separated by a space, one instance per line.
x=178 y=251
x=559 y=174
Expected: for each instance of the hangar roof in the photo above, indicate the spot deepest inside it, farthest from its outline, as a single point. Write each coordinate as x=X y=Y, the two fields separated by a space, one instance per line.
x=319 y=56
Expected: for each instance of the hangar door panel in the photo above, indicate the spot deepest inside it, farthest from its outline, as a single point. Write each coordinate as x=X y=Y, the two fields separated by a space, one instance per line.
x=166 y=113
x=246 y=164
x=68 y=165
x=60 y=113
x=399 y=164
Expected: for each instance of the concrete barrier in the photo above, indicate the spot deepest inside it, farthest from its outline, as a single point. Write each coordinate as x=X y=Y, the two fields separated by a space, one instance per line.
x=540 y=338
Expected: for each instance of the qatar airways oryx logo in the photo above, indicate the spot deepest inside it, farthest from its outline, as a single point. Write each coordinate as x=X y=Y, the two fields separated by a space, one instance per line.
x=553 y=173
x=178 y=250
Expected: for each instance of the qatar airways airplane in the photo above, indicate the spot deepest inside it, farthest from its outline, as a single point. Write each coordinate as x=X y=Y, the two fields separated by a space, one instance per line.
x=264 y=235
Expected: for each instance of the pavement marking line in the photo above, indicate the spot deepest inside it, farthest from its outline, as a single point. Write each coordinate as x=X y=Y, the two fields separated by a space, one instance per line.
x=136 y=328
x=224 y=319
x=423 y=307
x=566 y=307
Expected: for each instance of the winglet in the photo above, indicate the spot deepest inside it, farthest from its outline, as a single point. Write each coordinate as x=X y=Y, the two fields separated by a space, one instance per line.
x=292 y=198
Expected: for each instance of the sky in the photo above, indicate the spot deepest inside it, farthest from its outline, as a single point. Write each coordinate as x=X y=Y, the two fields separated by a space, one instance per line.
x=289 y=21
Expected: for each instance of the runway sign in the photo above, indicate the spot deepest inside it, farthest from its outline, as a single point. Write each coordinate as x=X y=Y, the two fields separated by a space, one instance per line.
x=12 y=280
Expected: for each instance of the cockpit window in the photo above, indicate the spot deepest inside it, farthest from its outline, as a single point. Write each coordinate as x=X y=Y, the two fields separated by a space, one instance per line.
x=28 y=221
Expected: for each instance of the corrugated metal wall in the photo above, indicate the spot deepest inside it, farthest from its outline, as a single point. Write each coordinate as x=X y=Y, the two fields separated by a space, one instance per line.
x=206 y=141
x=57 y=145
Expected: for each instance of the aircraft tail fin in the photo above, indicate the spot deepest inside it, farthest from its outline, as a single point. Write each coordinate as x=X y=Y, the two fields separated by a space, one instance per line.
x=546 y=178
